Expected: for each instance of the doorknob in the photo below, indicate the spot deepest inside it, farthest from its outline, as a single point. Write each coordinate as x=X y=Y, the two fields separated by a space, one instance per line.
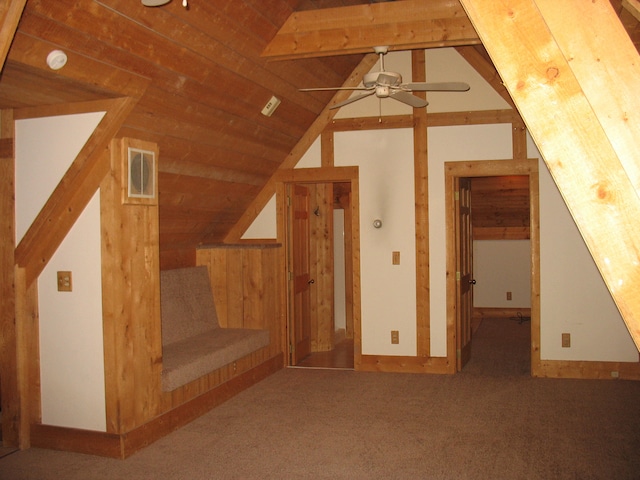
x=311 y=281
x=472 y=281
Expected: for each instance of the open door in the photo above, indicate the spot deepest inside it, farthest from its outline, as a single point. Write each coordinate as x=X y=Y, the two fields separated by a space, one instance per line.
x=299 y=277
x=464 y=272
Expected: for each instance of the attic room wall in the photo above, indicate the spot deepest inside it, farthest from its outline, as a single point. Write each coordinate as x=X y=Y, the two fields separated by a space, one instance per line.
x=71 y=354
x=598 y=332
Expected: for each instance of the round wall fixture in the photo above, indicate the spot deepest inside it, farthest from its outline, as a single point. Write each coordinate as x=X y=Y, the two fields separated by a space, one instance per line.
x=377 y=223
x=56 y=59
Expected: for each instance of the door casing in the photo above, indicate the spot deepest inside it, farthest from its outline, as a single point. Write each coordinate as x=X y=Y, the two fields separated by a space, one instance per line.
x=492 y=168
x=320 y=176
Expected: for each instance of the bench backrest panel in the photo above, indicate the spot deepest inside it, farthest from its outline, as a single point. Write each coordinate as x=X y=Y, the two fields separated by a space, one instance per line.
x=187 y=303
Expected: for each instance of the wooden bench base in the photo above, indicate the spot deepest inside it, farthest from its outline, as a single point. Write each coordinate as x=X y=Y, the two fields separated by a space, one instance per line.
x=125 y=444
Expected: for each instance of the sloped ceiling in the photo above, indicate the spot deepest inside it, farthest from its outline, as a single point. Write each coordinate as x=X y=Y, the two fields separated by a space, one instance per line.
x=208 y=87
x=208 y=84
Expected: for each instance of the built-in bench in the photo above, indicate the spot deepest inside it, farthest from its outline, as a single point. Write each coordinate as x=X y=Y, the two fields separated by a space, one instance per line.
x=193 y=343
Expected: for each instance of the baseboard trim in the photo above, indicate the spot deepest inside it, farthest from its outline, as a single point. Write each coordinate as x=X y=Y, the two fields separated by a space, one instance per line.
x=124 y=445
x=588 y=370
x=404 y=364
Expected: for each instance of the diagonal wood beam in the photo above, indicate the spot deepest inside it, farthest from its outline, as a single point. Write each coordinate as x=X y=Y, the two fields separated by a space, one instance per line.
x=324 y=118
x=403 y=25
x=10 y=13
x=75 y=189
x=574 y=91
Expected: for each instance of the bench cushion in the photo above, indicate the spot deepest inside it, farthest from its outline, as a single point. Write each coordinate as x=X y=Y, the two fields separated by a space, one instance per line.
x=193 y=343
x=191 y=358
x=186 y=303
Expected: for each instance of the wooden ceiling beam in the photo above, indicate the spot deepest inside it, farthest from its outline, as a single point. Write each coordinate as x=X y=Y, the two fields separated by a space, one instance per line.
x=633 y=7
x=575 y=94
x=402 y=25
x=10 y=13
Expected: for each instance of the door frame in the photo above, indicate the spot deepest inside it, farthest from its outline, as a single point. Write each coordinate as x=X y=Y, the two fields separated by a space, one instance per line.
x=492 y=168
x=320 y=176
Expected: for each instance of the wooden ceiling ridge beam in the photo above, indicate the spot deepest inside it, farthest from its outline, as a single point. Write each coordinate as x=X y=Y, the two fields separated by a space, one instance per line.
x=324 y=118
x=587 y=138
x=402 y=25
x=10 y=13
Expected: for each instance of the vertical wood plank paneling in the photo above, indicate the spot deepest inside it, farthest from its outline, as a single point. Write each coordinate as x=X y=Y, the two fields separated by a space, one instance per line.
x=252 y=289
x=8 y=367
x=235 y=292
x=131 y=303
x=27 y=355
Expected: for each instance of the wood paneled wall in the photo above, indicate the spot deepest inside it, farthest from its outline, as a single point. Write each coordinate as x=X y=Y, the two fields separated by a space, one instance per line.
x=246 y=287
x=131 y=302
x=500 y=207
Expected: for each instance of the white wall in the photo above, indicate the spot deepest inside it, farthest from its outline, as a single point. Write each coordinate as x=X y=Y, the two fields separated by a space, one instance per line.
x=501 y=266
x=71 y=346
x=574 y=296
x=388 y=292
x=71 y=342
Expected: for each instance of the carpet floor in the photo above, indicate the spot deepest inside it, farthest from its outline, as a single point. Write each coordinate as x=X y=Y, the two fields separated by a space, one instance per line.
x=492 y=421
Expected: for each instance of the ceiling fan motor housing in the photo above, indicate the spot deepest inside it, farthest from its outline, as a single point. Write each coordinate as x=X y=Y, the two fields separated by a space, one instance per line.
x=381 y=78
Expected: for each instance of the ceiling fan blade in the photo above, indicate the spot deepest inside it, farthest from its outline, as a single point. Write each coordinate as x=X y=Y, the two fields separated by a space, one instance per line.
x=409 y=99
x=332 y=88
x=352 y=99
x=437 y=87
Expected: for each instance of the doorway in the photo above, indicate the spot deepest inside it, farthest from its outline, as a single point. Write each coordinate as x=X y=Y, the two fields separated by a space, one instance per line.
x=459 y=233
x=315 y=335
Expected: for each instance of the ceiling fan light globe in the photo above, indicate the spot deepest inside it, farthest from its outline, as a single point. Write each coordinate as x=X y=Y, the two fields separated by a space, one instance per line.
x=154 y=3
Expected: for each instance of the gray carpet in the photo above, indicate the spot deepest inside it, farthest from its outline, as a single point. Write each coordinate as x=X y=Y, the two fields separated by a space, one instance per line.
x=498 y=424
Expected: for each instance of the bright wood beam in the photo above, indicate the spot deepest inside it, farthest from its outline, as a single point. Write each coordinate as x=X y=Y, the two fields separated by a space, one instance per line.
x=403 y=25
x=10 y=13
x=574 y=96
x=325 y=117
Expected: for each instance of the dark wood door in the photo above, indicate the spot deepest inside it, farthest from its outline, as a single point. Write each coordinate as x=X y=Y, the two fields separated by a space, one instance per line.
x=464 y=272
x=301 y=281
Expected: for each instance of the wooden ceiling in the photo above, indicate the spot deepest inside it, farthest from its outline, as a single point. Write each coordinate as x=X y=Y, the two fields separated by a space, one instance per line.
x=207 y=84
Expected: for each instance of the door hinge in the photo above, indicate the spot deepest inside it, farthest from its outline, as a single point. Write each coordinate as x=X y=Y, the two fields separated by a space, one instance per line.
x=456 y=196
x=290 y=274
x=458 y=276
x=288 y=200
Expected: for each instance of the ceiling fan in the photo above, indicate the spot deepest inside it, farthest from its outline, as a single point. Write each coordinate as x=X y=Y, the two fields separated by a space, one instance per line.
x=389 y=85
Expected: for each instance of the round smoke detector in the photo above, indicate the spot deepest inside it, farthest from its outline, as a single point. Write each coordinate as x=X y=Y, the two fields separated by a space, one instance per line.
x=56 y=59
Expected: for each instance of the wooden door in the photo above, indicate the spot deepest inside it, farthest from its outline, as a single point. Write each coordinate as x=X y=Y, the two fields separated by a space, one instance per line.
x=464 y=272
x=299 y=316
